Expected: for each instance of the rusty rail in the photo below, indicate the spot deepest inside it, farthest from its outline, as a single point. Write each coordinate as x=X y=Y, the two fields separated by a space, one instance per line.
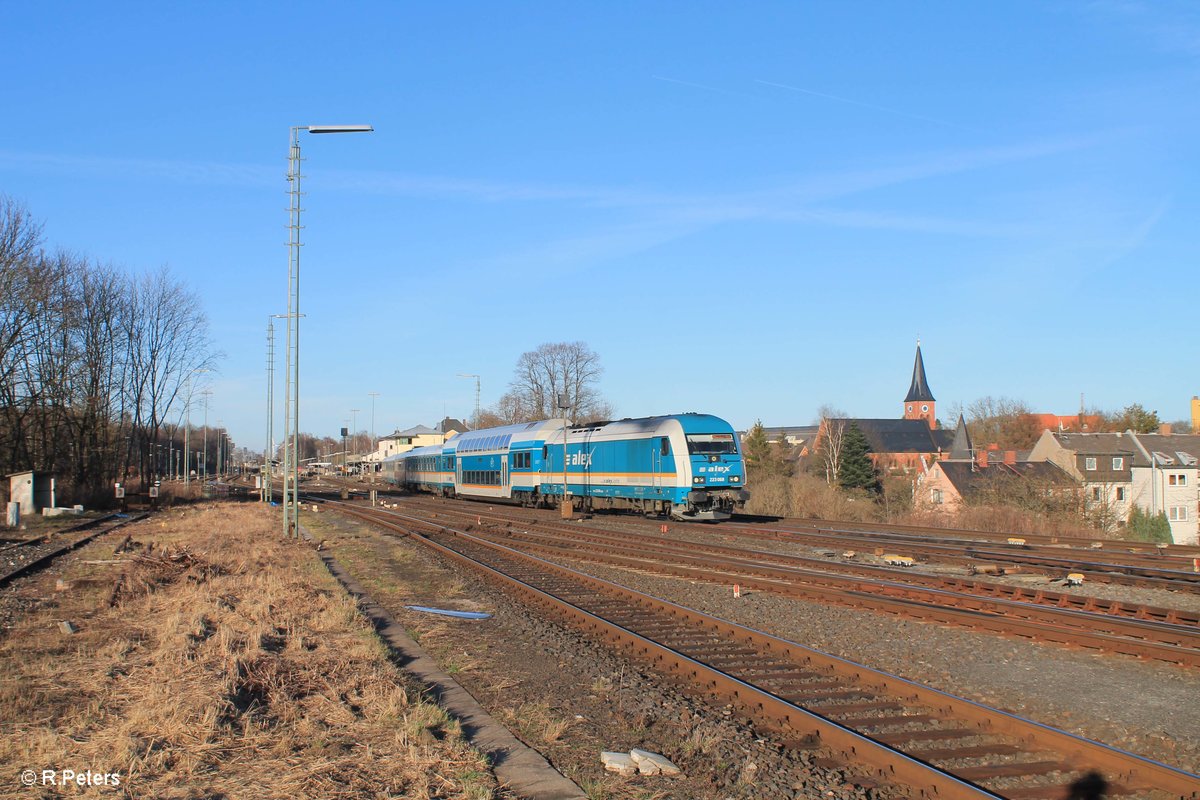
x=903 y=731
x=1163 y=634
x=41 y=554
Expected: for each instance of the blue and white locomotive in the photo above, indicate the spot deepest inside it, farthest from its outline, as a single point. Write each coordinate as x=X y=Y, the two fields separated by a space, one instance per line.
x=685 y=465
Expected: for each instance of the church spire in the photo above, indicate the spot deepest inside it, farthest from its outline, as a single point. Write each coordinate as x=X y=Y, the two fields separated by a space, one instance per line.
x=919 y=390
x=962 y=449
x=919 y=403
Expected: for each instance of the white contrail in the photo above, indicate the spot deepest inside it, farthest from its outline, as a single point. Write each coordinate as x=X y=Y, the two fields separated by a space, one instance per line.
x=884 y=109
x=700 y=86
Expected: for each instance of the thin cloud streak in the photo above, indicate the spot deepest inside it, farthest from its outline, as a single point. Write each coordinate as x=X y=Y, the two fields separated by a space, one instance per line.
x=1169 y=29
x=702 y=86
x=191 y=172
x=664 y=216
x=816 y=188
x=871 y=106
x=811 y=189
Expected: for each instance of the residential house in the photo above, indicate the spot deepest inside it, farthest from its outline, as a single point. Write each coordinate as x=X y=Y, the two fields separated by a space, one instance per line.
x=1156 y=472
x=803 y=438
x=1101 y=462
x=1080 y=423
x=451 y=427
x=948 y=483
x=1165 y=480
x=897 y=444
x=414 y=437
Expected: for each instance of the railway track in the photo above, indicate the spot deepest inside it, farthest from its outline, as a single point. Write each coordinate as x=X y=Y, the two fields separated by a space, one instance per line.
x=24 y=557
x=1158 y=571
x=1141 y=630
x=933 y=743
x=1175 y=639
x=966 y=534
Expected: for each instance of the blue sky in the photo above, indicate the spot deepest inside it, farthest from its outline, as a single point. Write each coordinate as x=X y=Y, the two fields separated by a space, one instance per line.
x=747 y=209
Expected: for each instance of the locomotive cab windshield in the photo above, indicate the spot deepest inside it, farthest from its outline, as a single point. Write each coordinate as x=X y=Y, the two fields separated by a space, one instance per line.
x=711 y=444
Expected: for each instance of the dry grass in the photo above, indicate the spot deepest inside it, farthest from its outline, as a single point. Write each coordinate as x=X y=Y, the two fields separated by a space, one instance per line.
x=538 y=722
x=230 y=665
x=809 y=496
x=1006 y=519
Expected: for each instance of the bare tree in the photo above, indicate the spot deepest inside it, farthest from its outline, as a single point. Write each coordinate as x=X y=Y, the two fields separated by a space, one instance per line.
x=831 y=440
x=20 y=238
x=168 y=340
x=91 y=361
x=552 y=369
x=1003 y=421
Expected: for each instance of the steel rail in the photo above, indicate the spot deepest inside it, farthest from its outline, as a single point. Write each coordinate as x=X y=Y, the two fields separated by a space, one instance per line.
x=1173 y=573
x=667 y=630
x=1174 y=622
x=929 y=531
x=1175 y=567
x=1105 y=572
x=49 y=555
x=1164 y=642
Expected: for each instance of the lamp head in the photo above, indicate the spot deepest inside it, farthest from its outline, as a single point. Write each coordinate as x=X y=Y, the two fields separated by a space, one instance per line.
x=339 y=129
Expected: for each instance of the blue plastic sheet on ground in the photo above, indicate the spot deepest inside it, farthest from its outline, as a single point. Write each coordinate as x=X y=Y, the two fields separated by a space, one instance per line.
x=446 y=612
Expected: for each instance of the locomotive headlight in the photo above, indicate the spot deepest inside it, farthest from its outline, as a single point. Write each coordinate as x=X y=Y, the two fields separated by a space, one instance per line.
x=735 y=478
x=697 y=480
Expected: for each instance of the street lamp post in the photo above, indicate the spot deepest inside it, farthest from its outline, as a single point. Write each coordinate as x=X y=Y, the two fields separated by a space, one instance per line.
x=268 y=493
x=207 y=393
x=373 y=395
x=564 y=404
x=374 y=444
x=474 y=422
x=187 y=428
x=291 y=415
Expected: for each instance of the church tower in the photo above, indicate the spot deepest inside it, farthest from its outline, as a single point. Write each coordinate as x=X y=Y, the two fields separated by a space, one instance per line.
x=919 y=404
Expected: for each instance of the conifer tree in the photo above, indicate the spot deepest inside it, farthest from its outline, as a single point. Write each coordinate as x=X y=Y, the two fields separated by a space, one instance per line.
x=755 y=449
x=857 y=471
x=1145 y=527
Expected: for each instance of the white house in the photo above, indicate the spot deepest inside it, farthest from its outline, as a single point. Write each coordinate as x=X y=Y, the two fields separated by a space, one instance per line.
x=1165 y=478
x=416 y=436
x=1157 y=472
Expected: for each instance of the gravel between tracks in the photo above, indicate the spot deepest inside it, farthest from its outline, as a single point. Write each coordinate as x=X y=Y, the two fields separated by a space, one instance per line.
x=1144 y=707
x=1182 y=600
x=570 y=698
